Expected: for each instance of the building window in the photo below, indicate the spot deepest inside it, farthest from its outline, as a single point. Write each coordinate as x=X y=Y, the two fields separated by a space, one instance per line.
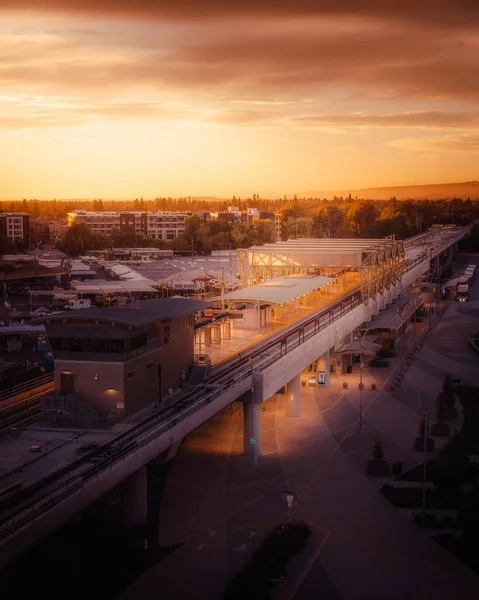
x=59 y=344
x=96 y=346
x=77 y=345
x=166 y=334
x=130 y=374
x=115 y=346
x=138 y=341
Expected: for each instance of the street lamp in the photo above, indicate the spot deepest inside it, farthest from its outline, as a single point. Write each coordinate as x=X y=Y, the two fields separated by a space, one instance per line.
x=361 y=341
x=424 y=475
x=254 y=458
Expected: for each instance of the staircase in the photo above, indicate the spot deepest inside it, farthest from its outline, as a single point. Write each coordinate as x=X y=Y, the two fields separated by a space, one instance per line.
x=69 y=410
x=199 y=374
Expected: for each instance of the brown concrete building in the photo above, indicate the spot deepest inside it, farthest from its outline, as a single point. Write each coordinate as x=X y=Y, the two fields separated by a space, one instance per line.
x=123 y=359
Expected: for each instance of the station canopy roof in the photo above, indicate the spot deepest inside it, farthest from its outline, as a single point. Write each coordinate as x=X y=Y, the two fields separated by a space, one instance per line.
x=102 y=286
x=319 y=251
x=279 y=290
x=366 y=346
x=395 y=316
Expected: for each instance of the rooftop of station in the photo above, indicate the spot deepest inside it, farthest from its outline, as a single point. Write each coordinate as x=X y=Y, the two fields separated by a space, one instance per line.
x=323 y=251
x=146 y=312
x=279 y=290
x=333 y=244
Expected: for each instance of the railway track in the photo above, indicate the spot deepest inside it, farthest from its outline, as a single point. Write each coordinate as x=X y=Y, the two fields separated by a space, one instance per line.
x=20 y=414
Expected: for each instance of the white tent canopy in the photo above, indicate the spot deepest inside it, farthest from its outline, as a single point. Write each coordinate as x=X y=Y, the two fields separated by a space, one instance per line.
x=280 y=290
x=100 y=286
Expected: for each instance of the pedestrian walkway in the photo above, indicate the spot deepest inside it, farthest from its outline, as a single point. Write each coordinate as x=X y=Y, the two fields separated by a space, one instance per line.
x=219 y=506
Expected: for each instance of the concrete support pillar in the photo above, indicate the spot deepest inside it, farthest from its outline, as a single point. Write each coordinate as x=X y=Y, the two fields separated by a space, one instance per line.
x=381 y=300
x=293 y=393
x=387 y=296
x=135 y=498
x=373 y=306
x=207 y=336
x=324 y=364
x=252 y=429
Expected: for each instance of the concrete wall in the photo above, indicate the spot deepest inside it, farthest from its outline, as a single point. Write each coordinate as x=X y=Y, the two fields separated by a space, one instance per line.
x=283 y=370
x=141 y=388
x=415 y=273
x=177 y=355
x=95 y=488
x=103 y=394
x=113 y=385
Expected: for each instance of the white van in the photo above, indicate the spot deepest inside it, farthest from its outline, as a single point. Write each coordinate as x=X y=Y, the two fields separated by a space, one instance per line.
x=78 y=304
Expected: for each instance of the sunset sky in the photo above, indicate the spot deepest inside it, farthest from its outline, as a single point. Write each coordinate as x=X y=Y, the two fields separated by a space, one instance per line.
x=124 y=98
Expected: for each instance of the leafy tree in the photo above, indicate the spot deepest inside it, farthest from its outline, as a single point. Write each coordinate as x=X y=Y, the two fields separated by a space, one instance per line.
x=76 y=239
x=329 y=221
x=362 y=216
x=242 y=235
x=265 y=232
x=302 y=227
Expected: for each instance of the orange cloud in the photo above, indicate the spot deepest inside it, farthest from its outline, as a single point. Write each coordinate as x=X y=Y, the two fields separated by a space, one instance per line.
x=463 y=13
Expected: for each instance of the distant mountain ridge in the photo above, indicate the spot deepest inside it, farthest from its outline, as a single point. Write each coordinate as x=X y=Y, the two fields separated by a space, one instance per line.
x=433 y=191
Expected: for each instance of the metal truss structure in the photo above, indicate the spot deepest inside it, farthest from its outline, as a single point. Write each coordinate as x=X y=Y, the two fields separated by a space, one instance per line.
x=379 y=263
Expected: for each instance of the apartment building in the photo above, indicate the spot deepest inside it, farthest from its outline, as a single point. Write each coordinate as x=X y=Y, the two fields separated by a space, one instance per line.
x=15 y=226
x=156 y=225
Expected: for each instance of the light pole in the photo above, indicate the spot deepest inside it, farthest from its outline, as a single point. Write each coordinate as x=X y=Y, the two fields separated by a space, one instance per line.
x=254 y=458
x=424 y=413
x=414 y=322
x=361 y=341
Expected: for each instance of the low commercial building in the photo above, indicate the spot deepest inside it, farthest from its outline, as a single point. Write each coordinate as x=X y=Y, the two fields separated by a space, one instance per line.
x=120 y=360
x=15 y=226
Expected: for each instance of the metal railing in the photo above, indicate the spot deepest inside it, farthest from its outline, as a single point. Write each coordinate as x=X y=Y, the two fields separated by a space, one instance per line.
x=27 y=386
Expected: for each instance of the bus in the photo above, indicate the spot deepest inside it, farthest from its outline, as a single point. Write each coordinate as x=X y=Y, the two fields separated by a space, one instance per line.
x=462 y=293
x=472 y=270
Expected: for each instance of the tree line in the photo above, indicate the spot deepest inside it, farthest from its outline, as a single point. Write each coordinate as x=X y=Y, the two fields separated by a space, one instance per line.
x=300 y=219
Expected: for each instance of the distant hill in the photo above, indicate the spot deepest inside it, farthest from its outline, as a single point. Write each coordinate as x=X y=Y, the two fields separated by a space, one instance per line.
x=434 y=191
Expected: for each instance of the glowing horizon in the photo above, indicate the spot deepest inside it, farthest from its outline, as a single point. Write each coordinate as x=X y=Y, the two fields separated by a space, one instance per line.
x=161 y=99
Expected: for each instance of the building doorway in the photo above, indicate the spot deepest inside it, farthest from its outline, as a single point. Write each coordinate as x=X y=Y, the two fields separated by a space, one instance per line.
x=67 y=383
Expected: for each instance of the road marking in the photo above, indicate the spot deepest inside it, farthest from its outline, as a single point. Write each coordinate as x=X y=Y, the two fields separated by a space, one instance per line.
x=308 y=568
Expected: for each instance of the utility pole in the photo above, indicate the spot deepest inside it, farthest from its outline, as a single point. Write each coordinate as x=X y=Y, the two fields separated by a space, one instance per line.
x=415 y=319
x=222 y=288
x=361 y=341
x=361 y=388
x=254 y=458
x=424 y=474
